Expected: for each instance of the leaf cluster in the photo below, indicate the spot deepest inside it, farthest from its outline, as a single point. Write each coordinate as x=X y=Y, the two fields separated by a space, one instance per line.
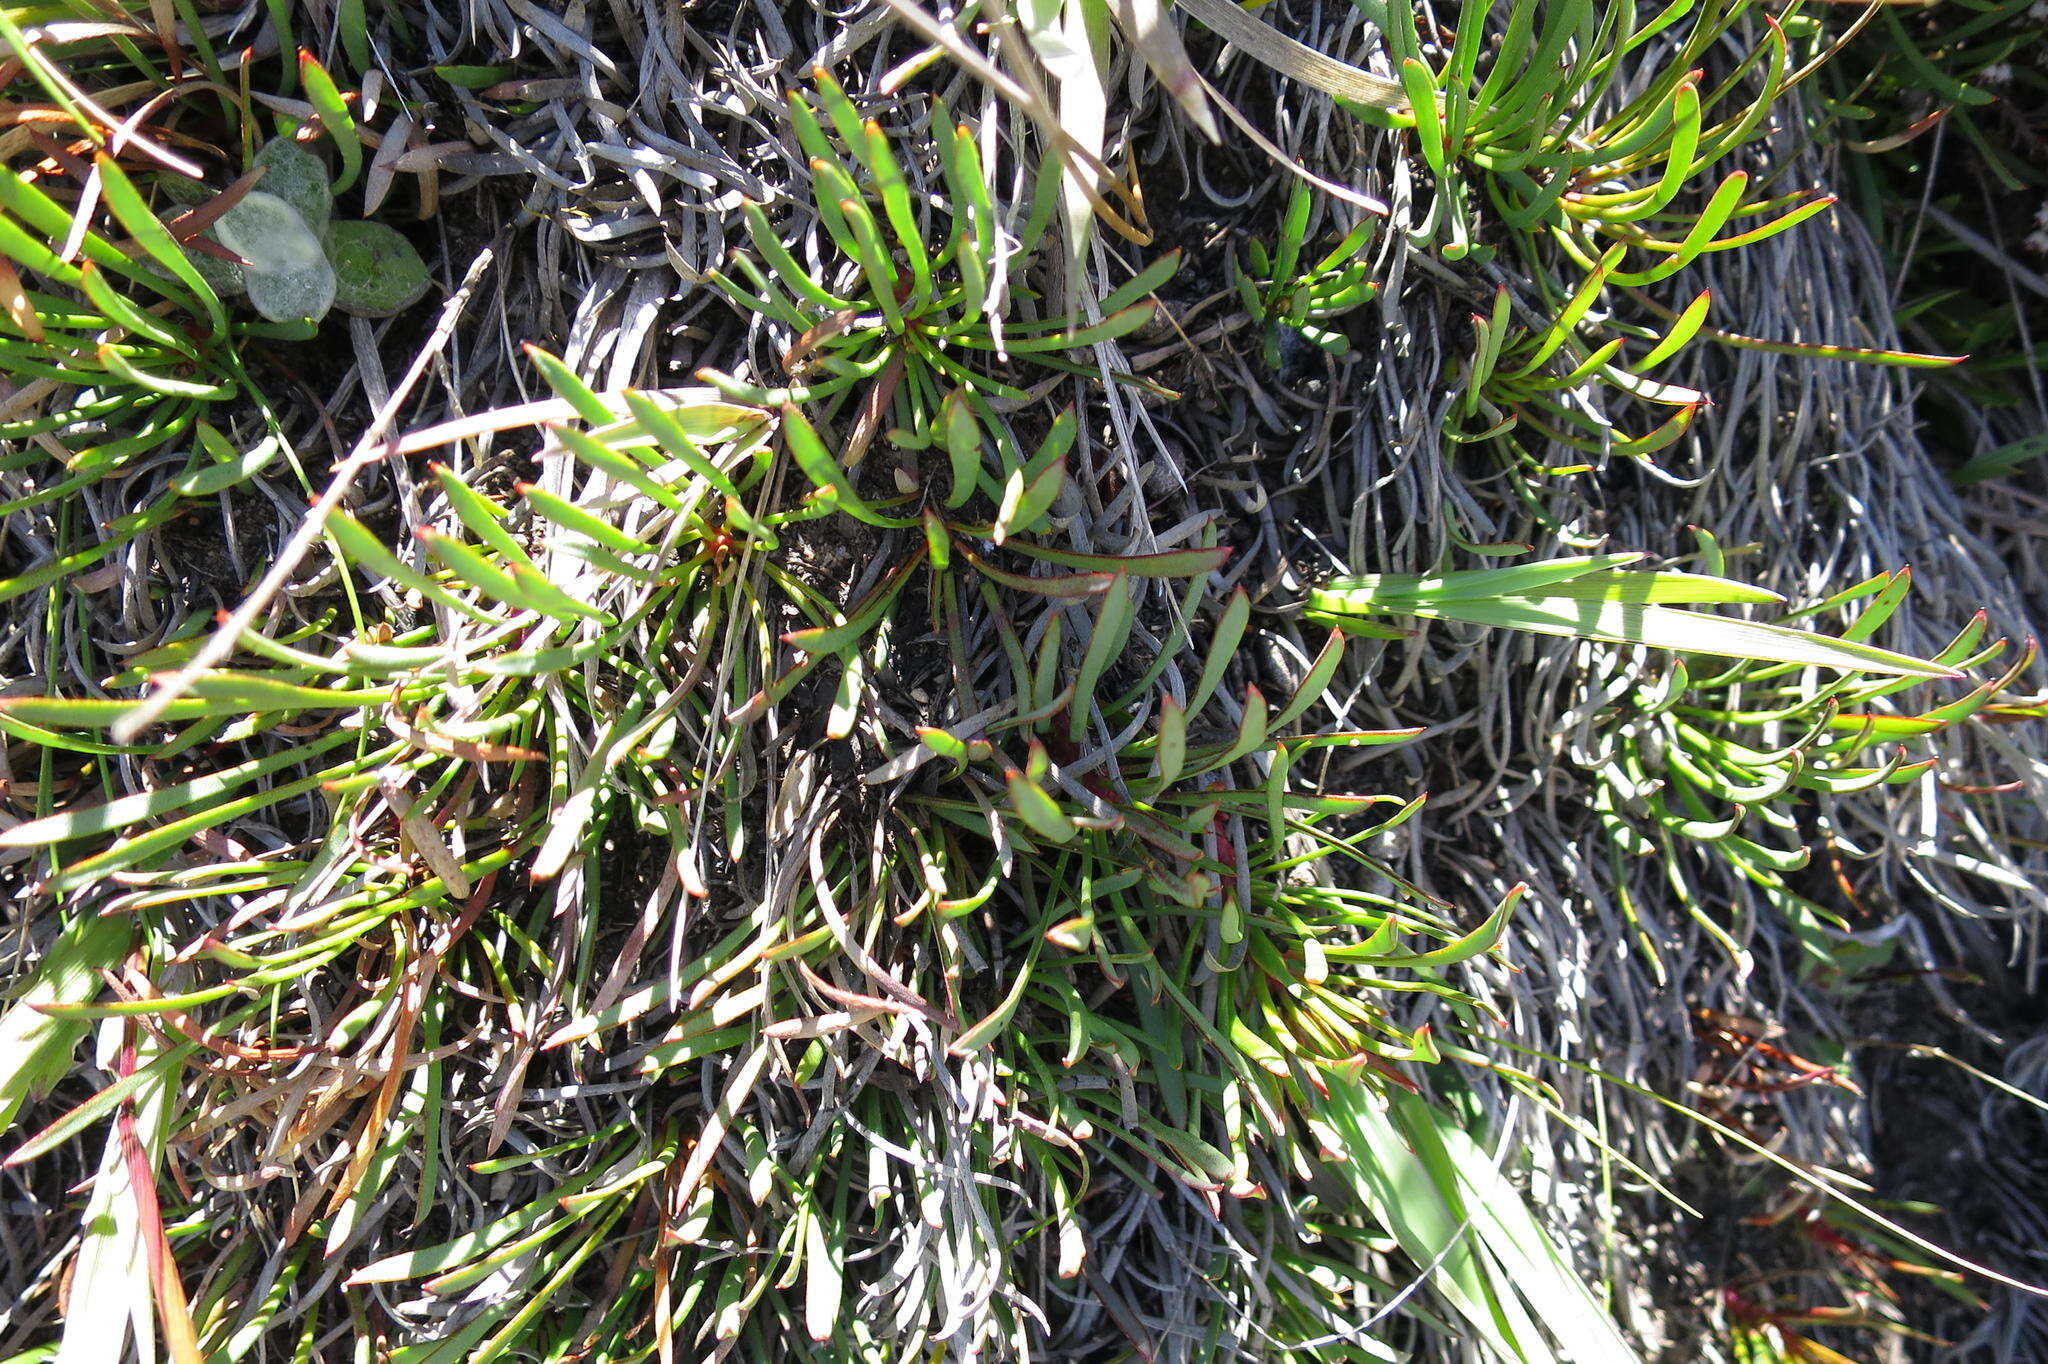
x=918 y=298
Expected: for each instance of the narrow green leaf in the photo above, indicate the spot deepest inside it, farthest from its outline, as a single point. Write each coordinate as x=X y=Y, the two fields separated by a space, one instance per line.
x=1222 y=649
x=601 y=457
x=963 y=446
x=1686 y=632
x=1113 y=619
x=1172 y=563
x=36 y=1047
x=568 y=387
x=801 y=440
x=124 y=811
x=1680 y=332
x=1041 y=814
x=1056 y=585
x=859 y=622
x=1314 y=682
x=661 y=423
x=484 y=518
x=363 y=550
x=574 y=519
x=1026 y=503
x=153 y=237
x=1171 y=752
x=328 y=103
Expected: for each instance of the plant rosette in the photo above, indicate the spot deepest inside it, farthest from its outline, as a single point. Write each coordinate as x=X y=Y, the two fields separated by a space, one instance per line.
x=296 y=262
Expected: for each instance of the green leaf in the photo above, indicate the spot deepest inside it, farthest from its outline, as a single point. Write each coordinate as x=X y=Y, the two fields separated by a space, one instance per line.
x=474 y=77
x=364 y=551
x=1222 y=649
x=966 y=184
x=1480 y=940
x=124 y=811
x=288 y=275
x=1143 y=284
x=1172 y=563
x=1419 y=83
x=516 y=584
x=601 y=457
x=480 y=514
x=979 y=1036
x=1056 y=585
x=859 y=621
x=298 y=177
x=1586 y=598
x=152 y=236
x=2002 y=461
x=1170 y=754
x=35 y=1047
x=1314 y=682
x=963 y=446
x=377 y=272
x=248 y=692
x=1026 y=503
x=122 y=313
x=1448 y=1206
x=873 y=150
x=1113 y=621
x=569 y=388
x=100 y=1105
x=115 y=362
x=668 y=431
x=328 y=103
x=793 y=276
x=1369 y=591
x=1662 y=586
x=233 y=467
x=577 y=521
x=801 y=440
x=1681 y=332
x=1686 y=632
x=1039 y=811
x=1109 y=329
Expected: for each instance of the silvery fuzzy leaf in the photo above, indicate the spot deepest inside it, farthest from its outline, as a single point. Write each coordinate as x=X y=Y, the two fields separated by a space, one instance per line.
x=298 y=177
x=305 y=291
x=268 y=232
x=225 y=276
